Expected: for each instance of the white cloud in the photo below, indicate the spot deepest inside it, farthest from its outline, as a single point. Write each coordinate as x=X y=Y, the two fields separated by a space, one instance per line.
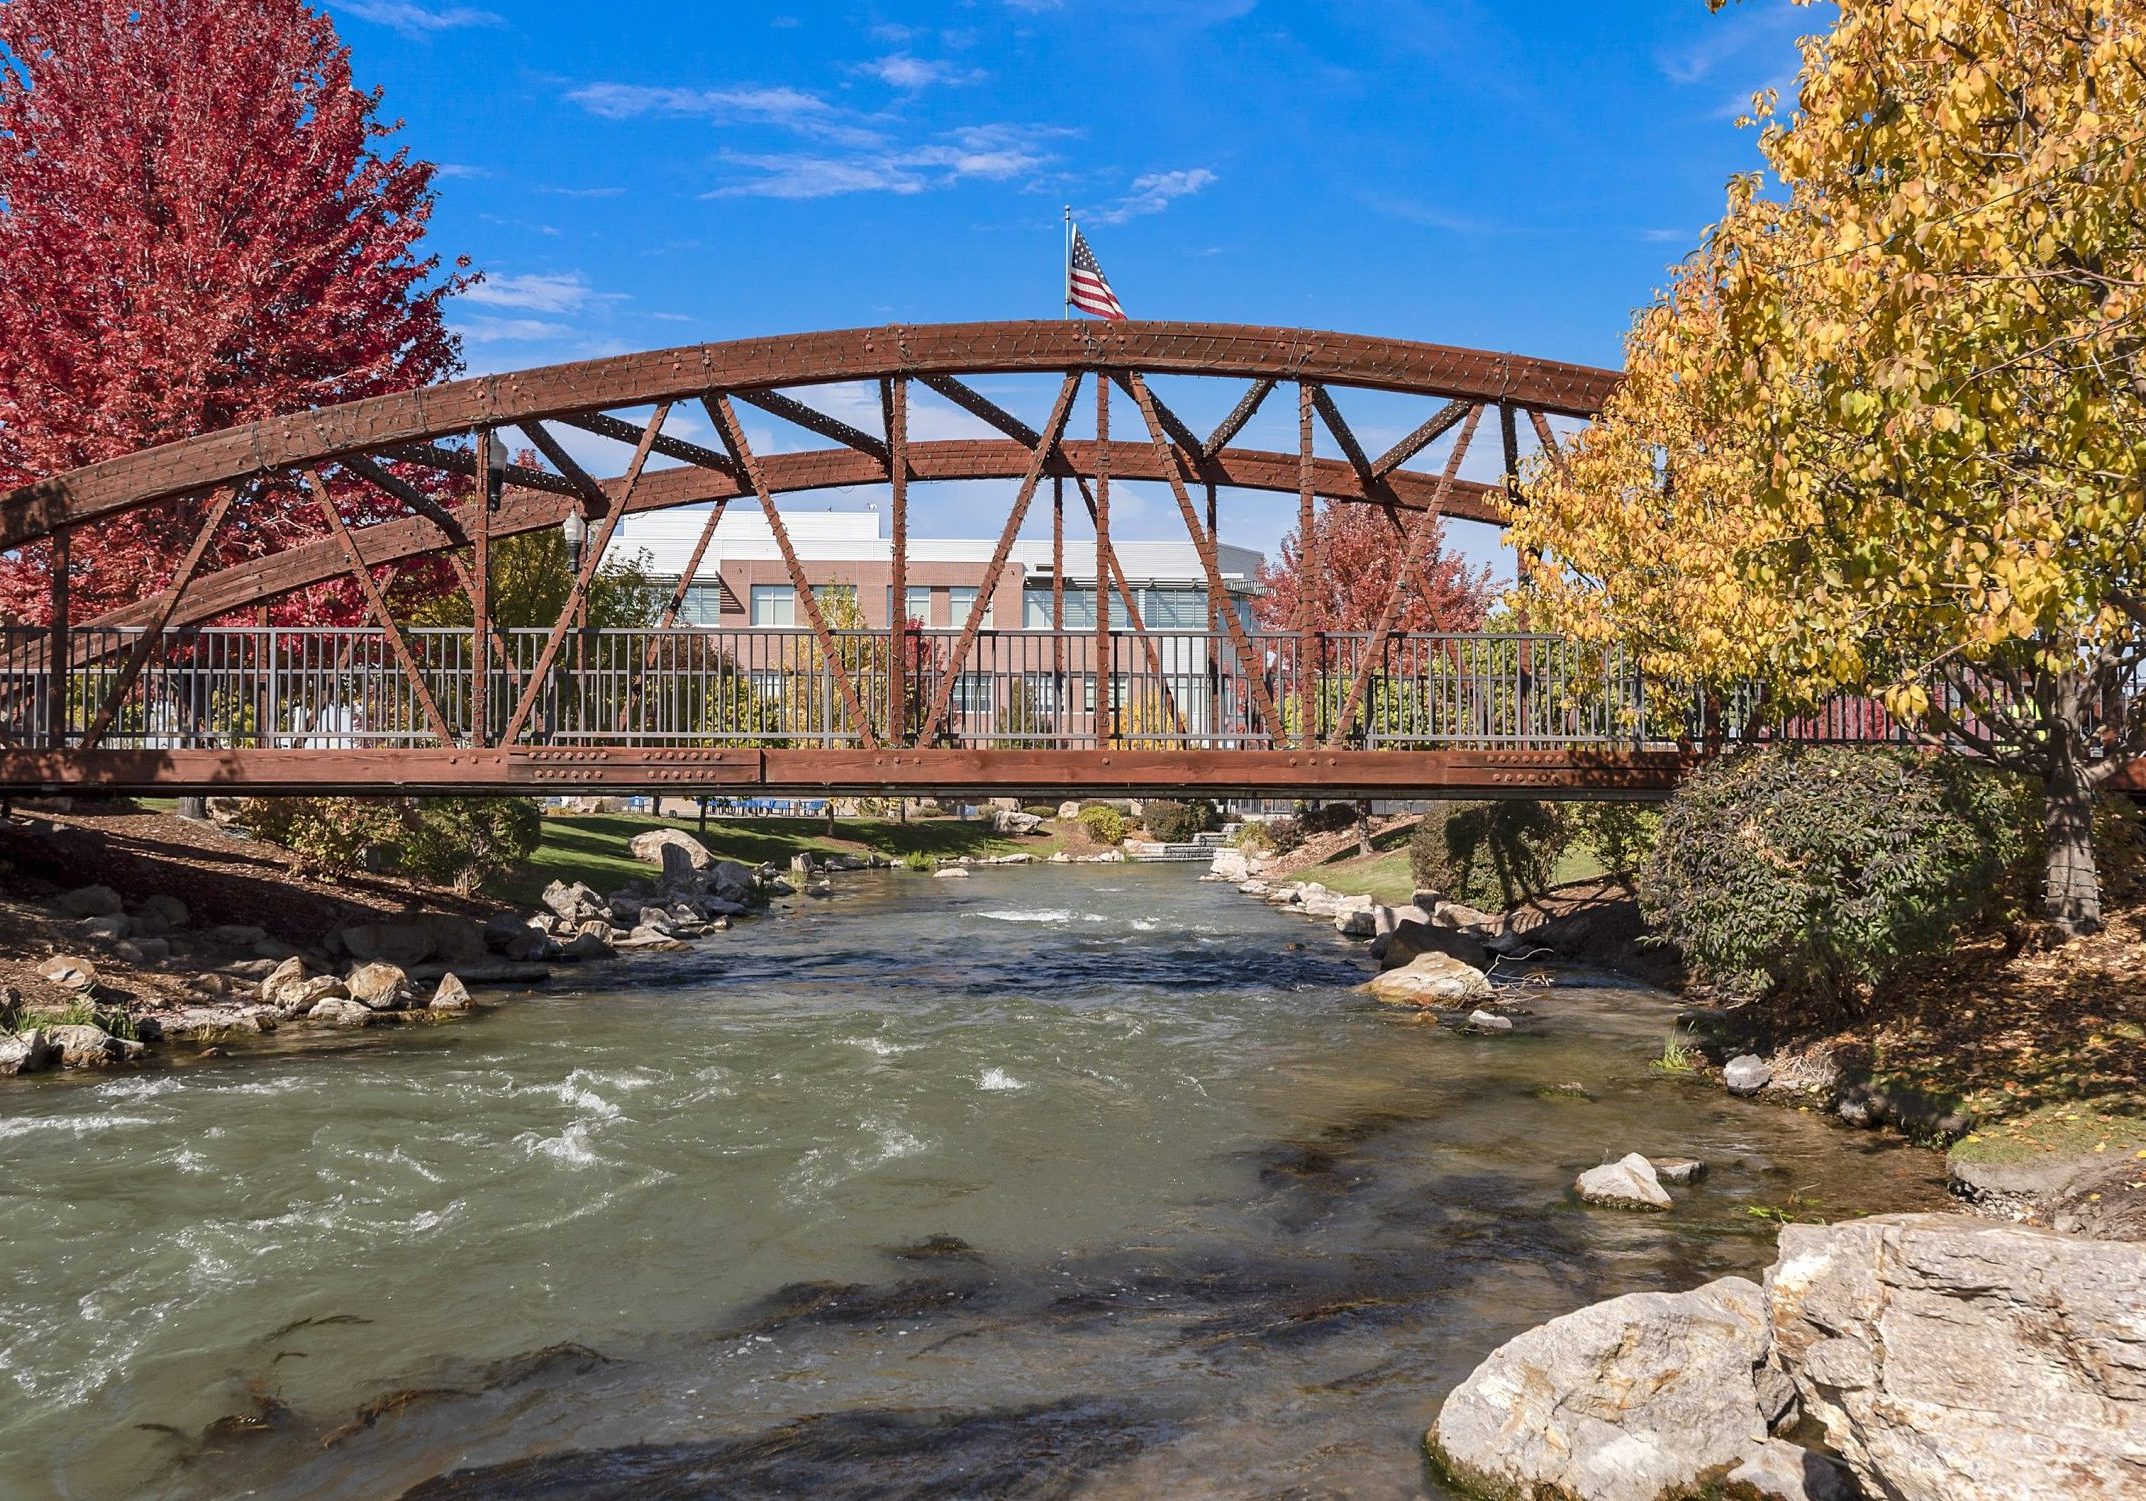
x=414 y=20
x=564 y=293
x=975 y=153
x=511 y=330
x=902 y=71
x=1152 y=193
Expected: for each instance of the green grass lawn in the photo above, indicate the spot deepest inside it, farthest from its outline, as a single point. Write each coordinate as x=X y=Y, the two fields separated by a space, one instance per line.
x=1385 y=876
x=593 y=847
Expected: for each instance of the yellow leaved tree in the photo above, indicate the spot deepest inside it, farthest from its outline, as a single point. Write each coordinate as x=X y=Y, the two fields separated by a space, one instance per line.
x=1885 y=430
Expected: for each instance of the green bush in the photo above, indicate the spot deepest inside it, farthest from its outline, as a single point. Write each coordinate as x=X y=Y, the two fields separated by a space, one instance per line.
x=1488 y=855
x=1620 y=835
x=1041 y=810
x=1819 y=871
x=1177 y=823
x=450 y=841
x=1252 y=838
x=1105 y=824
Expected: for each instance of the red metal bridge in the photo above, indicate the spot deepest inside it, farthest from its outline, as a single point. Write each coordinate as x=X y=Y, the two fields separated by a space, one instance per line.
x=196 y=689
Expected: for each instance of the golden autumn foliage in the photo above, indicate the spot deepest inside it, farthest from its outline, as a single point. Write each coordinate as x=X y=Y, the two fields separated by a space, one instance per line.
x=1886 y=429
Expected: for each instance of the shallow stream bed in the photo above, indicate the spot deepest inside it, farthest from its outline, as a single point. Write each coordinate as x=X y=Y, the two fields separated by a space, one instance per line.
x=1051 y=1182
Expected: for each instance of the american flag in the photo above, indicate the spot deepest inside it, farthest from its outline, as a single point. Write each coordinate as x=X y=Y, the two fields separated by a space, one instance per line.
x=1085 y=287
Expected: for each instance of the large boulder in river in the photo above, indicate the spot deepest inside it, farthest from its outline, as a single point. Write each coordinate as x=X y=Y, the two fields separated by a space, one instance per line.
x=573 y=903
x=380 y=986
x=1410 y=941
x=1628 y=1183
x=1953 y=1359
x=678 y=852
x=1647 y=1397
x=30 y=1052
x=84 y=1046
x=1432 y=980
x=730 y=881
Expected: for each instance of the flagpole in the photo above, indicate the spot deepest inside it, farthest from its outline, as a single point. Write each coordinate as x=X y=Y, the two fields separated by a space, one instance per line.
x=1068 y=287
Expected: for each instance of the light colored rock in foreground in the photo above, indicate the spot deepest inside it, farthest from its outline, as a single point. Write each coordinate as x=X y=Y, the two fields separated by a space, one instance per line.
x=380 y=985
x=1952 y=1359
x=1628 y=1183
x=1747 y=1074
x=1781 y=1471
x=30 y=1052
x=954 y=873
x=1432 y=980
x=452 y=995
x=341 y=1011
x=69 y=972
x=1641 y=1398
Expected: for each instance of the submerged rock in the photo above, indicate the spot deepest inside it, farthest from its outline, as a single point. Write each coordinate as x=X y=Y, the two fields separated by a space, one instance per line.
x=1628 y=1183
x=1488 y=1022
x=951 y=873
x=1952 y=1359
x=1642 y=1398
x=1681 y=1172
x=1432 y=979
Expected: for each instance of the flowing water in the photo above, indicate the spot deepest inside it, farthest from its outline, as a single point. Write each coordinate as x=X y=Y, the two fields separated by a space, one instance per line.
x=1053 y=1182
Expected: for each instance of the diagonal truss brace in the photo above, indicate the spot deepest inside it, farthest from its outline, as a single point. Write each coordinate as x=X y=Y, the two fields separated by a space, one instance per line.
x=378 y=605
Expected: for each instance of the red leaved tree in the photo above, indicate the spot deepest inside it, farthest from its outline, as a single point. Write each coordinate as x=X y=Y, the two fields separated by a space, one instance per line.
x=1360 y=551
x=199 y=230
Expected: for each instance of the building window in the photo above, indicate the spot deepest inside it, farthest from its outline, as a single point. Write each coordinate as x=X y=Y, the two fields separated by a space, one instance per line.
x=702 y=605
x=774 y=605
x=1036 y=608
x=972 y=692
x=1173 y=609
x=958 y=604
x=918 y=608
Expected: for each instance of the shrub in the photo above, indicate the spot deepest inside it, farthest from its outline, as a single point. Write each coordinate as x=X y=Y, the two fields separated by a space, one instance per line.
x=1041 y=810
x=450 y=841
x=1488 y=855
x=1620 y=835
x=1252 y=838
x=1821 y=870
x=1105 y=824
x=1177 y=823
x=1286 y=835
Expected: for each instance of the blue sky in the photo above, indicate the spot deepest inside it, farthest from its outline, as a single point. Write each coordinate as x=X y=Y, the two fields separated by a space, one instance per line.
x=636 y=175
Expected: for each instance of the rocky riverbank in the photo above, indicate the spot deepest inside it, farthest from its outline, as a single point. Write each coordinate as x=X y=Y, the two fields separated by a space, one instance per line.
x=1905 y=1357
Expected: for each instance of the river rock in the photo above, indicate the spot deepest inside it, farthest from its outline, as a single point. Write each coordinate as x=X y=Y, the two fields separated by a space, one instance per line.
x=1356 y=922
x=69 y=972
x=236 y=936
x=1680 y=1172
x=285 y=984
x=574 y=903
x=1628 y=1183
x=1642 y=1398
x=1013 y=821
x=201 y=1023
x=673 y=849
x=106 y=929
x=1747 y=1074
x=951 y=873
x=452 y=996
x=515 y=938
x=341 y=1011
x=1069 y=811
x=1233 y=866
x=1411 y=940
x=379 y=985
x=30 y=1052
x=1953 y=1359
x=167 y=912
x=90 y=901
x=1781 y=1471
x=143 y=953
x=591 y=941
x=397 y=943
x=1432 y=980
x=1447 y=914
x=1488 y=1022
x=730 y=881
x=84 y=1046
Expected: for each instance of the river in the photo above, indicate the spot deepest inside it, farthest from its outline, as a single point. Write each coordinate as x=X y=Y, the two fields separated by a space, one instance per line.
x=1051 y=1182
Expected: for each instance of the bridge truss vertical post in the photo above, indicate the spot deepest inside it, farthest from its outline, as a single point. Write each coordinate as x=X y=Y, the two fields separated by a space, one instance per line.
x=480 y=599
x=62 y=637
x=1105 y=702
x=894 y=407
x=1058 y=610
x=1311 y=576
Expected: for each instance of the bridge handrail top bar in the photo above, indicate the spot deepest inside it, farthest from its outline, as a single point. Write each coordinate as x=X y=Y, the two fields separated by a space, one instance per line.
x=1234 y=351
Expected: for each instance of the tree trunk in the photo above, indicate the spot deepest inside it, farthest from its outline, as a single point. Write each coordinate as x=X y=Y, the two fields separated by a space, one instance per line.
x=2071 y=881
x=1363 y=828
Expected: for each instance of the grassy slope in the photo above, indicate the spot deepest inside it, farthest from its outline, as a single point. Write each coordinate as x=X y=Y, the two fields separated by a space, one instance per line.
x=592 y=847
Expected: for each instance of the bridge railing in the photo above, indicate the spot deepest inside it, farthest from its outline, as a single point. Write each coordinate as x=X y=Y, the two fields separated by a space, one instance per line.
x=336 y=688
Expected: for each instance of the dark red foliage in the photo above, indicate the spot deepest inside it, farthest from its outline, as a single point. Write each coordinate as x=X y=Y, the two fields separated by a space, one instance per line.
x=199 y=231
x=1360 y=552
